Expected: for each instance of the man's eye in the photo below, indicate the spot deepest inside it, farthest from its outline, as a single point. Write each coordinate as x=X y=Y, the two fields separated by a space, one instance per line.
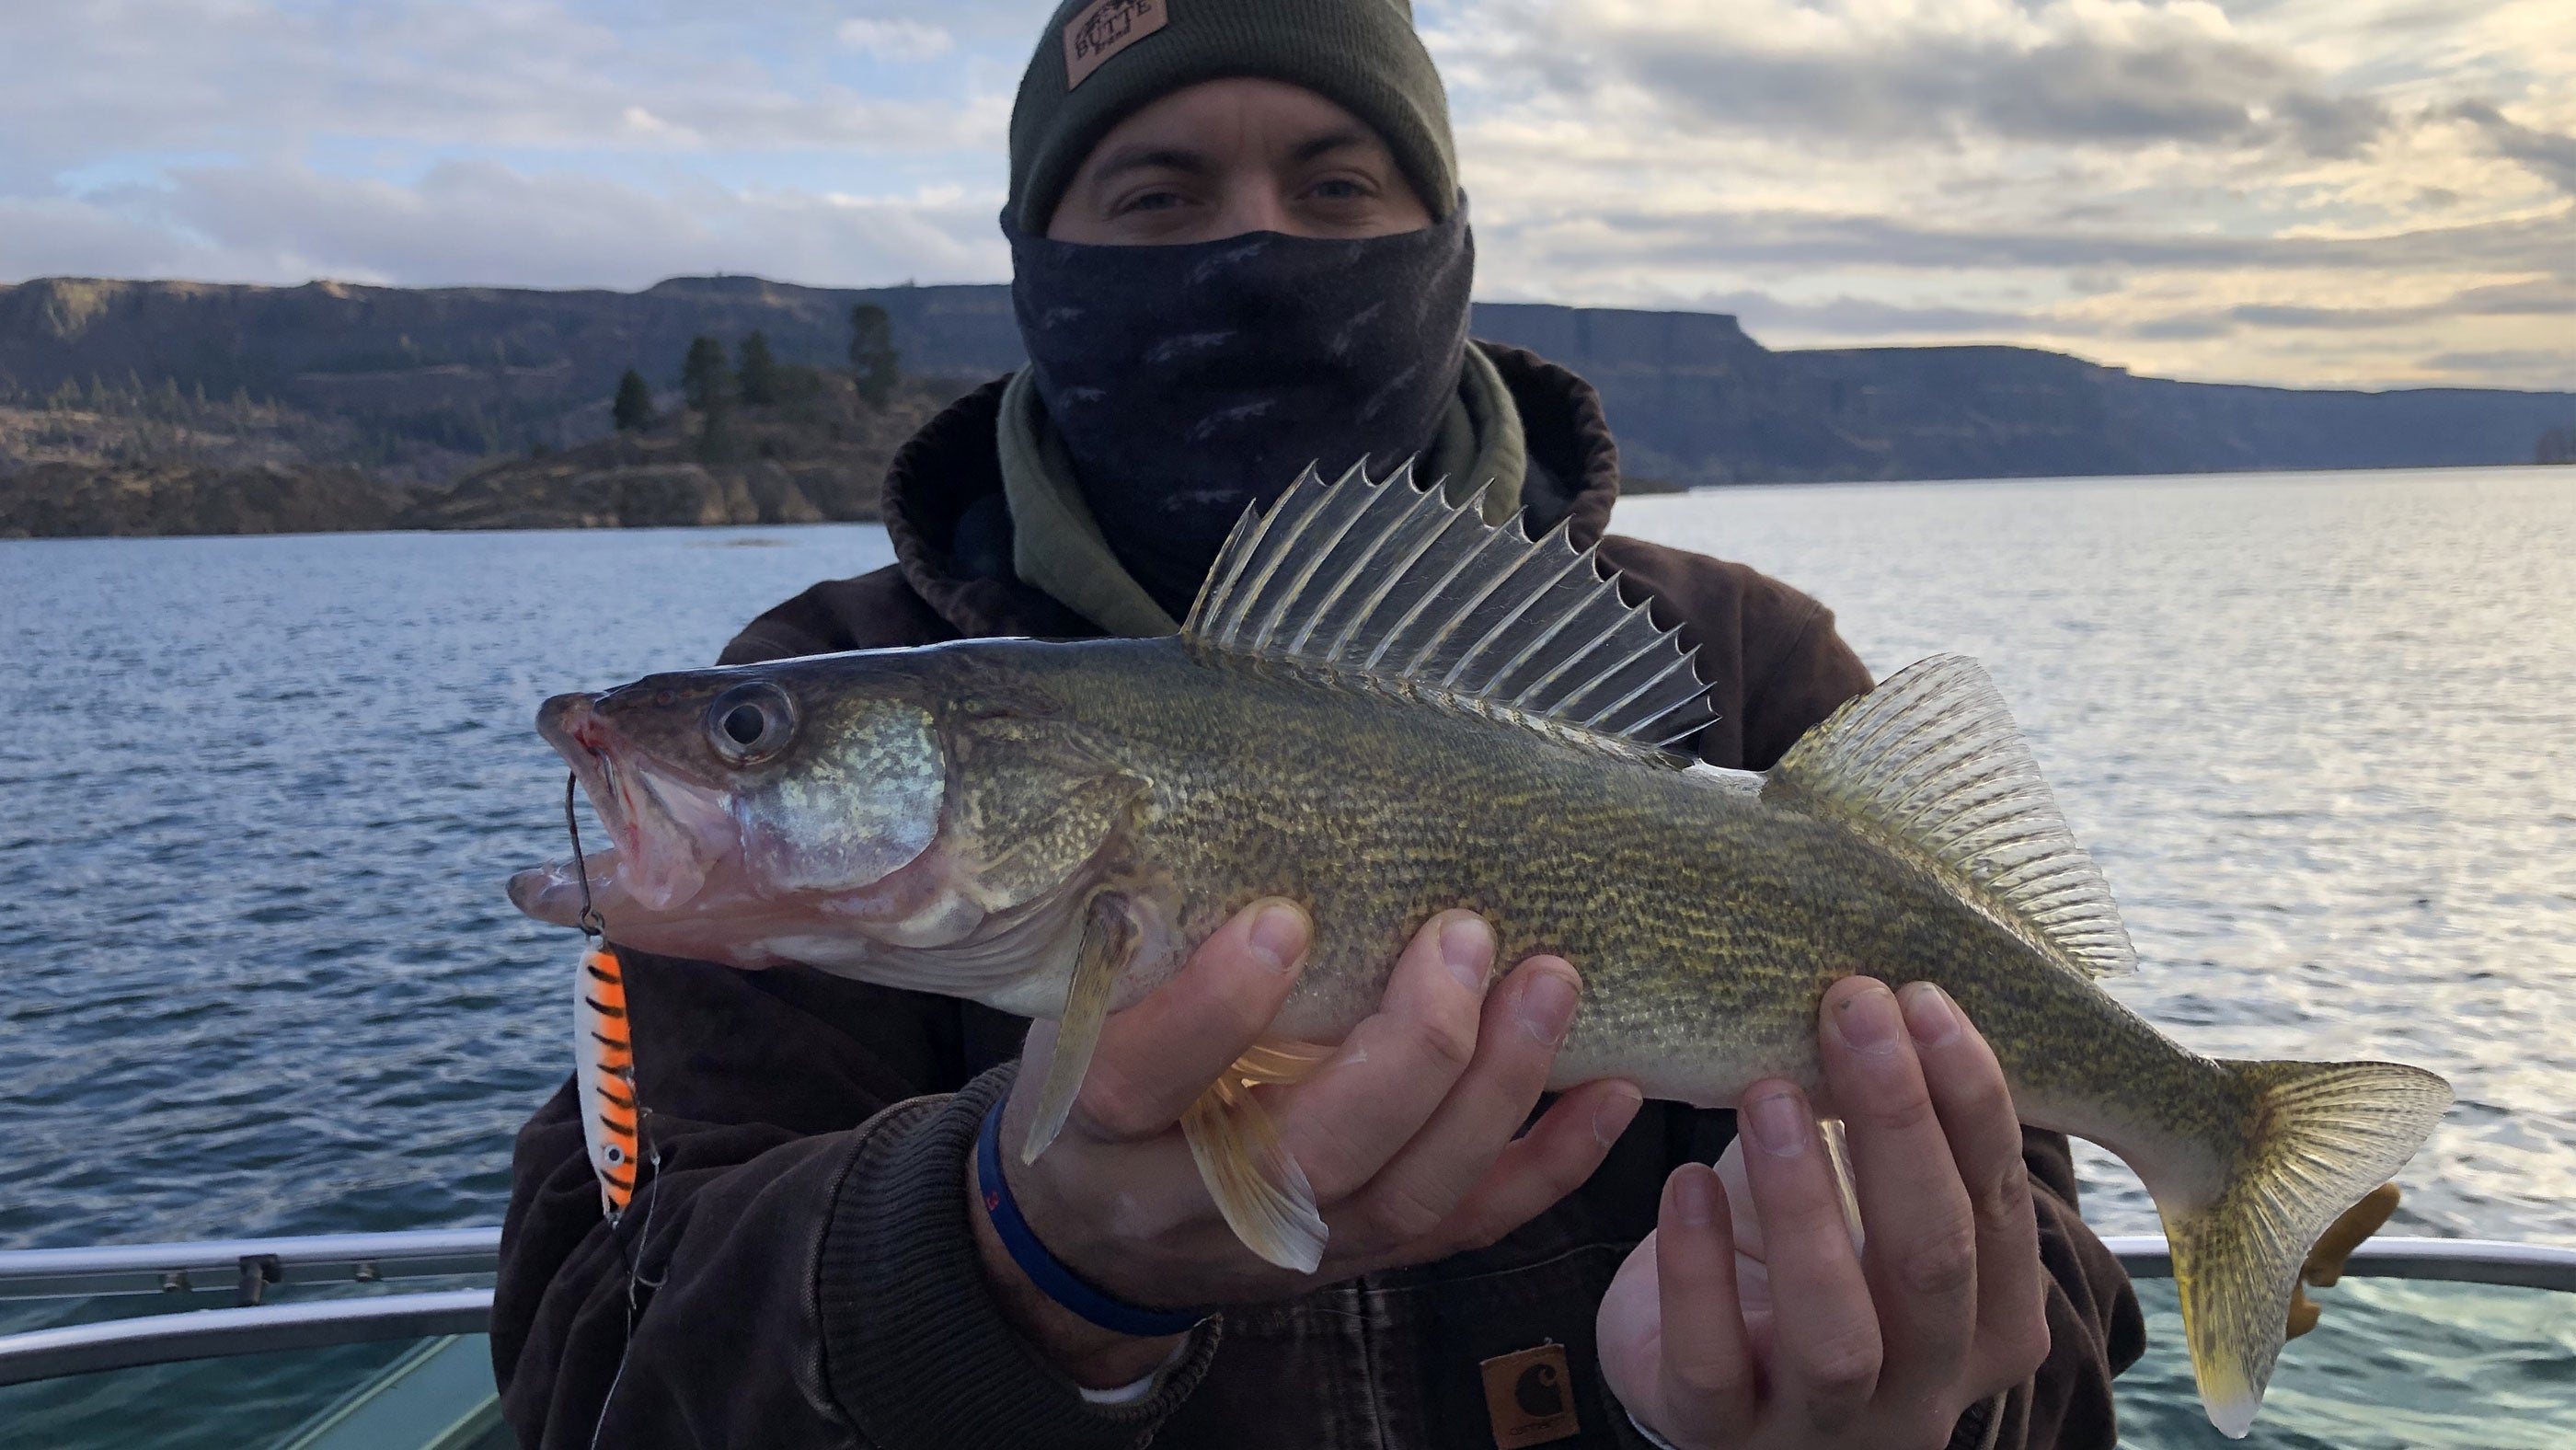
x=1338 y=189
x=1152 y=201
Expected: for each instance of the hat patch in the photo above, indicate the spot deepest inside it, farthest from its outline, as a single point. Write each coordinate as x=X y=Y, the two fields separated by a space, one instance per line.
x=1105 y=29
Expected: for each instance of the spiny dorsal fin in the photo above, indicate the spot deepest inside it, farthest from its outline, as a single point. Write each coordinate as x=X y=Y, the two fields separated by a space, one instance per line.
x=1386 y=586
x=1929 y=766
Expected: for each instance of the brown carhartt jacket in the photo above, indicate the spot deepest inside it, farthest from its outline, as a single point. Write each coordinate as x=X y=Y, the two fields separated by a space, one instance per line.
x=801 y=1272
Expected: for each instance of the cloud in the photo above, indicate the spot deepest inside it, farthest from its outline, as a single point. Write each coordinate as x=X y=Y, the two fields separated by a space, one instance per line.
x=2541 y=298
x=1772 y=237
x=896 y=39
x=480 y=222
x=1876 y=72
x=2547 y=153
x=2303 y=191
x=2511 y=360
x=263 y=78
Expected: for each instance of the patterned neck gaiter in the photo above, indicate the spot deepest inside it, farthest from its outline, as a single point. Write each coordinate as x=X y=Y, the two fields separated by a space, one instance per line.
x=1187 y=382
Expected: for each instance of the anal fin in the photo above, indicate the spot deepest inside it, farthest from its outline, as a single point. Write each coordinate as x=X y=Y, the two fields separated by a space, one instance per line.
x=1254 y=1179
x=1109 y=937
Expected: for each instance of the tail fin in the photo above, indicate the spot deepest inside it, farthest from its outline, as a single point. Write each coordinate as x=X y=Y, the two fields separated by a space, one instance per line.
x=2315 y=1137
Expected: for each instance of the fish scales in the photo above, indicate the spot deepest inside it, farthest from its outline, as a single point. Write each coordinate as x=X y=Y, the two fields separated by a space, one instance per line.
x=1706 y=924
x=1384 y=708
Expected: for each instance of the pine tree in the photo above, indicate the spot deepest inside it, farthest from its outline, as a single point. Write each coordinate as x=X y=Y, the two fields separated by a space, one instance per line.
x=633 y=409
x=704 y=379
x=761 y=383
x=872 y=354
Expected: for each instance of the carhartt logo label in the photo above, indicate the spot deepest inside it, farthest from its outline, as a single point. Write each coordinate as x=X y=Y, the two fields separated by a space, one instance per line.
x=1104 y=30
x=1530 y=1397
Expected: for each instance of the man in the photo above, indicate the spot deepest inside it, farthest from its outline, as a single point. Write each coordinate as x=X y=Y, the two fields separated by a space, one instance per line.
x=1239 y=247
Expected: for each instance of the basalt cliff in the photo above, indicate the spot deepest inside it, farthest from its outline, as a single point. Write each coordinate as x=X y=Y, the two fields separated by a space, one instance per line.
x=169 y=407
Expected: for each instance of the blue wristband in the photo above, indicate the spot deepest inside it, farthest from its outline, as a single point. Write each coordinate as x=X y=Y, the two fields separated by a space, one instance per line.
x=1053 y=1279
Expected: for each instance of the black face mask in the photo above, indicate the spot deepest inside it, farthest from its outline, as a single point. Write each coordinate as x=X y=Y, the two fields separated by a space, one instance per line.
x=1188 y=382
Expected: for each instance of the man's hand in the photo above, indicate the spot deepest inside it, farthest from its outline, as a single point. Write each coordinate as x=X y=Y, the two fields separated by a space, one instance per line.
x=1406 y=1133
x=1751 y=1317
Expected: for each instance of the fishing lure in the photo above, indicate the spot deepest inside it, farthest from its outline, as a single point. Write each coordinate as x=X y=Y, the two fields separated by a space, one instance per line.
x=612 y=1112
x=604 y=1075
x=603 y=1049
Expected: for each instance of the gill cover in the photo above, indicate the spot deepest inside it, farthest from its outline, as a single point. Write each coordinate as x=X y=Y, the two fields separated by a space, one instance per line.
x=856 y=800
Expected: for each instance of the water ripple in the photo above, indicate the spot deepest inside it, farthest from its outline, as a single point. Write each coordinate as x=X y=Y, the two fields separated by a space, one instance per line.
x=257 y=976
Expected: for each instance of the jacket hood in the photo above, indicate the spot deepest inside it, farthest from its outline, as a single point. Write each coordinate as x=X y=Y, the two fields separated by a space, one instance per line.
x=944 y=511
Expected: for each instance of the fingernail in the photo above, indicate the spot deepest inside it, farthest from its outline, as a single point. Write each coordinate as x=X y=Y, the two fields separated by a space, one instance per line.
x=1616 y=1110
x=1467 y=945
x=1930 y=1015
x=1695 y=1199
x=1778 y=1124
x=1867 y=1020
x=1278 y=935
x=1547 y=1007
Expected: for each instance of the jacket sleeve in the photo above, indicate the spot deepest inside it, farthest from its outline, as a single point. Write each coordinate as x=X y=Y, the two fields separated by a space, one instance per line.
x=796 y=1268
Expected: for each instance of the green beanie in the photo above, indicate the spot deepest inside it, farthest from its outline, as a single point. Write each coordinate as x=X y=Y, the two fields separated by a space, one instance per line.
x=1099 y=61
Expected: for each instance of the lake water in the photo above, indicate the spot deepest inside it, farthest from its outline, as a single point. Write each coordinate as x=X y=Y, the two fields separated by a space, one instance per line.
x=258 y=796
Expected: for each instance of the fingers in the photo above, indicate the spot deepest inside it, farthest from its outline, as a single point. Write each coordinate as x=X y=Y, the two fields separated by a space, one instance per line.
x=1921 y=1238
x=1542 y=1165
x=1524 y=1020
x=1708 y=1375
x=1393 y=1071
x=1826 y=1345
x=1156 y=1057
x=1976 y=1110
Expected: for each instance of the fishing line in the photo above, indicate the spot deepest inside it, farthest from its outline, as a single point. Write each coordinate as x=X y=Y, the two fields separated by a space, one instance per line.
x=594 y=928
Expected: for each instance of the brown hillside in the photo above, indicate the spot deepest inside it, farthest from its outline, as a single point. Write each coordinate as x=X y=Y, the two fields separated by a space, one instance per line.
x=813 y=461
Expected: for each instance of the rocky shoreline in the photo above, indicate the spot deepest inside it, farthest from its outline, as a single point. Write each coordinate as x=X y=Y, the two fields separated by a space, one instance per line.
x=819 y=460
x=54 y=501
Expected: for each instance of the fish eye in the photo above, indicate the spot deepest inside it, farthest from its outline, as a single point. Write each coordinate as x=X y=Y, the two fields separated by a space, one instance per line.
x=750 y=723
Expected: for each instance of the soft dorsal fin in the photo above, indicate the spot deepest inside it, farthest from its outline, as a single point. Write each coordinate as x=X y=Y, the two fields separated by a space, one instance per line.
x=1386 y=586
x=1929 y=766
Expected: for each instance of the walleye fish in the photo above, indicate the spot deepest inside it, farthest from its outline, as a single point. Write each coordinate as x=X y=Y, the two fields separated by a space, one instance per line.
x=1383 y=708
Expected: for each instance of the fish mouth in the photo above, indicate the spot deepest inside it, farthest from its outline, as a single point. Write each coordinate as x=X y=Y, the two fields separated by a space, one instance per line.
x=555 y=893
x=581 y=738
x=669 y=833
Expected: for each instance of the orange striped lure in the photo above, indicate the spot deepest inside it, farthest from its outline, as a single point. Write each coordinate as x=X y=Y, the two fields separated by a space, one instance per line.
x=604 y=1075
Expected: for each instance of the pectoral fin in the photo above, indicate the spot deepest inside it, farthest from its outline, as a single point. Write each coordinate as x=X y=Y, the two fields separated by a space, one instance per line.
x=1109 y=937
x=1254 y=1179
x=1280 y=1059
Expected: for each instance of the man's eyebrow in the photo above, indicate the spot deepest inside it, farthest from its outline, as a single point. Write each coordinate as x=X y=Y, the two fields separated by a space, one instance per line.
x=1146 y=157
x=1327 y=143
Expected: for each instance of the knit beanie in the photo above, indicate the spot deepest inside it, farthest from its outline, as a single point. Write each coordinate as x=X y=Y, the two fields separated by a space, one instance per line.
x=1099 y=61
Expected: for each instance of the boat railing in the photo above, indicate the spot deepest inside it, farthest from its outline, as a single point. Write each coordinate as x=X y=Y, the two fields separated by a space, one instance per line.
x=252 y=1326
x=249 y=1268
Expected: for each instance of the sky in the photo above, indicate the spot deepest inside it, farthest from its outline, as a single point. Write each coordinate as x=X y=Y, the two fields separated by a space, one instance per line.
x=2306 y=192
